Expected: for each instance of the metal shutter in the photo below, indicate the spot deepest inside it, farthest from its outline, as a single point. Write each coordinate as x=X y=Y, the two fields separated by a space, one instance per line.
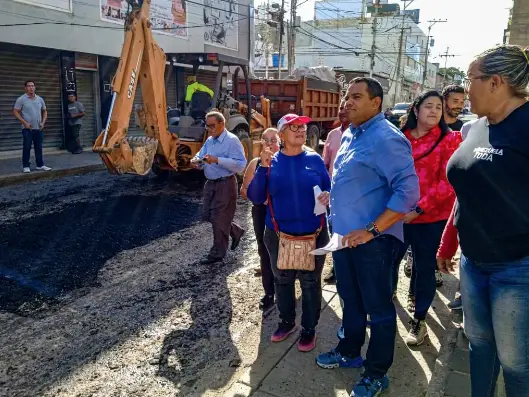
x=170 y=90
x=86 y=95
x=21 y=63
x=170 y=97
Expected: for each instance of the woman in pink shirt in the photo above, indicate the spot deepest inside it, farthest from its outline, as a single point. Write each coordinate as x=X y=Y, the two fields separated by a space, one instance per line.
x=332 y=145
x=334 y=138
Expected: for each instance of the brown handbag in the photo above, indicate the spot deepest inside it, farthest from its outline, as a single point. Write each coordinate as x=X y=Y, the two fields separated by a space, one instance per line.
x=293 y=251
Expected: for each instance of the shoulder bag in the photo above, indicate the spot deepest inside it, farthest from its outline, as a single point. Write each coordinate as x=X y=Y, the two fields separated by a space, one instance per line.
x=293 y=251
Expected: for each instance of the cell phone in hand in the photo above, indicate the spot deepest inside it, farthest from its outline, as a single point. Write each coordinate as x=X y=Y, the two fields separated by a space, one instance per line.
x=198 y=161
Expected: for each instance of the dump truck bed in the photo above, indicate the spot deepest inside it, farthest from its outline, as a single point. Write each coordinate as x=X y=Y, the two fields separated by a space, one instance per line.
x=317 y=99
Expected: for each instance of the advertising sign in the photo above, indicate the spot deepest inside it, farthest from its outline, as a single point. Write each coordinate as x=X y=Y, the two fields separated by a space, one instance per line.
x=167 y=16
x=221 y=20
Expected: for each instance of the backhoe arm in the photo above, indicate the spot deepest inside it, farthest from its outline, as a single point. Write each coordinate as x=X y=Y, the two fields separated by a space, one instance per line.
x=142 y=62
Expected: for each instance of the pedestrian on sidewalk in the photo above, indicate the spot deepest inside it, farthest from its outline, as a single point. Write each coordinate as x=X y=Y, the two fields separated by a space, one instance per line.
x=286 y=181
x=270 y=141
x=30 y=110
x=76 y=112
x=330 y=149
x=454 y=102
x=491 y=219
x=221 y=157
x=374 y=185
x=433 y=143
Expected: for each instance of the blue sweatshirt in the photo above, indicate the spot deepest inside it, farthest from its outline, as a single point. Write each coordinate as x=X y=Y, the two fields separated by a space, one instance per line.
x=291 y=183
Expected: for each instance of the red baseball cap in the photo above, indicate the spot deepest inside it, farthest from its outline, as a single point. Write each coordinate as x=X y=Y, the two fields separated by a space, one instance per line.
x=290 y=118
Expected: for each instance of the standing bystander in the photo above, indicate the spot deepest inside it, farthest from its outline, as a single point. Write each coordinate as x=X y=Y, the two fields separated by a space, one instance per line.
x=374 y=185
x=76 y=112
x=30 y=110
x=330 y=150
x=221 y=157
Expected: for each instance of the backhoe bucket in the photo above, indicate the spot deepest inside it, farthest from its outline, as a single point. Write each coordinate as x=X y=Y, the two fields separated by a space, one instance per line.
x=143 y=152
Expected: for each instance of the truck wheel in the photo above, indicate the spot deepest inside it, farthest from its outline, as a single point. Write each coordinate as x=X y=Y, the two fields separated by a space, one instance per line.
x=247 y=144
x=313 y=137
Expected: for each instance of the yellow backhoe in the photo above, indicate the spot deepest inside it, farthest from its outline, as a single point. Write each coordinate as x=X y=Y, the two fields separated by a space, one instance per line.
x=171 y=139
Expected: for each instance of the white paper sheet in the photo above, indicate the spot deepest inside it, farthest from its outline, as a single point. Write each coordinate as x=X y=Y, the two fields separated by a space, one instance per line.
x=318 y=207
x=334 y=244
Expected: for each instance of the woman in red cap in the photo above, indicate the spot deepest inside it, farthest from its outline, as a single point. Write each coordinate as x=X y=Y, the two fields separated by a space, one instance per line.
x=287 y=179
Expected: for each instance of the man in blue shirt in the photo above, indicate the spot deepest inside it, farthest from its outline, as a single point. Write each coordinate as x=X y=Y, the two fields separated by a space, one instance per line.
x=221 y=157
x=374 y=185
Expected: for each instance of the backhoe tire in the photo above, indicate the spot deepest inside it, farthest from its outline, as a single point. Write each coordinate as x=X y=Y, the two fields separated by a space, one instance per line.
x=313 y=137
x=247 y=144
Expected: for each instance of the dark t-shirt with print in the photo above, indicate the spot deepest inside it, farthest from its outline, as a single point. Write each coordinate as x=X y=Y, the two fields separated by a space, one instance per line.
x=456 y=125
x=489 y=173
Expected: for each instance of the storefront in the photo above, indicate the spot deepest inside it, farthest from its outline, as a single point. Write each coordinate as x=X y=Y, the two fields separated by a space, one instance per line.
x=18 y=64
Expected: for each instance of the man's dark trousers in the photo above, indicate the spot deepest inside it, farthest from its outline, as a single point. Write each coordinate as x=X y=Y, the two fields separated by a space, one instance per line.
x=74 y=142
x=364 y=281
x=219 y=204
x=34 y=137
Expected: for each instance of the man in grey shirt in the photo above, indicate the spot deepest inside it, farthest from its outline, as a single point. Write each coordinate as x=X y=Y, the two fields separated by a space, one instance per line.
x=30 y=110
x=76 y=113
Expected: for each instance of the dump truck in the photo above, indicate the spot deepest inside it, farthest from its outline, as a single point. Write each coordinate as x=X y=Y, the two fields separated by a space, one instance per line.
x=315 y=98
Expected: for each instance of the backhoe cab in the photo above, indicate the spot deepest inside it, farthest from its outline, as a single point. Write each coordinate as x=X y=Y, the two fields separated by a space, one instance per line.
x=171 y=138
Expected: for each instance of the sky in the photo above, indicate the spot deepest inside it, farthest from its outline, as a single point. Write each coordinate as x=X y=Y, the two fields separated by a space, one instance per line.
x=472 y=25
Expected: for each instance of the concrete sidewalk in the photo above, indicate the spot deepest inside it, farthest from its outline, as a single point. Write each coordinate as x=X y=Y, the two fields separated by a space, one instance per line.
x=451 y=377
x=281 y=370
x=61 y=163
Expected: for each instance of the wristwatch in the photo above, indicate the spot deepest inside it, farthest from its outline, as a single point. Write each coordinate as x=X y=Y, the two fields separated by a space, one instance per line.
x=418 y=210
x=372 y=228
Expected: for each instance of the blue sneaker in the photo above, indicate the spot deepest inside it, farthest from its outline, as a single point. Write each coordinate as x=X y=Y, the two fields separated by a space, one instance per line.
x=334 y=359
x=369 y=387
x=340 y=334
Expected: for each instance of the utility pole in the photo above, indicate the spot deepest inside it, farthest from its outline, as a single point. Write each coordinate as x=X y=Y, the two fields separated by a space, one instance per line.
x=377 y=5
x=425 y=71
x=399 y=58
x=281 y=32
x=292 y=37
x=445 y=56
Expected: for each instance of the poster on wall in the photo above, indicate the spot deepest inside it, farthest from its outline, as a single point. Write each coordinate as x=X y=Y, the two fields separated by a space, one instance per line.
x=167 y=16
x=221 y=23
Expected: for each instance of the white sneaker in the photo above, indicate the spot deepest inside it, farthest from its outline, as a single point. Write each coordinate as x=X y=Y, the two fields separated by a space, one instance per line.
x=26 y=170
x=417 y=333
x=44 y=168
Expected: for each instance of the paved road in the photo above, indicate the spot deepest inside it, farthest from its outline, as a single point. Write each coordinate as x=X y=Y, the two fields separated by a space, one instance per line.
x=101 y=294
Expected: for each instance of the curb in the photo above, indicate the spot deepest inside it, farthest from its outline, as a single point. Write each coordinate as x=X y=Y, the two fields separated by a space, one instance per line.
x=436 y=386
x=15 y=179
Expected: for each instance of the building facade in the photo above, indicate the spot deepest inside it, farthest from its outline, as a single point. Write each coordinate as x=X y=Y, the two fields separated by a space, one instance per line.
x=518 y=32
x=74 y=46
x=346 y=44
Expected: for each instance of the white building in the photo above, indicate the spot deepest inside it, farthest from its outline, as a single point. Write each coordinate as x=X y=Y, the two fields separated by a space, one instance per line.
x=346 y=44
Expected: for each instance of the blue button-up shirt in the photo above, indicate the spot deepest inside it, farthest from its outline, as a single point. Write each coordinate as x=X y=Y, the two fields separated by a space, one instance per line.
x=230 y=152
x=373 y=171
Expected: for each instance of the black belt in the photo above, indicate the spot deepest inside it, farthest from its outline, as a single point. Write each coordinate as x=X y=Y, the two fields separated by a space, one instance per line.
x=224 y=178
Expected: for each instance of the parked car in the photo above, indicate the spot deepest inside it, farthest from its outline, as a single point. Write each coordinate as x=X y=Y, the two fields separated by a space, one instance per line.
x=399 y=110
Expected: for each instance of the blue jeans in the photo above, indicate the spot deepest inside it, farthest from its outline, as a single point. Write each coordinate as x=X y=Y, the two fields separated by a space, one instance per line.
x=496 y=310
x=34 y=137
x=424 y=239
x=364 y=282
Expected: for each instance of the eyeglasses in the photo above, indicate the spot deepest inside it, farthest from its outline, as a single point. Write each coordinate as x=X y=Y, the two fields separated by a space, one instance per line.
x=467 y=81
x=270 y=141
x=297 y=127
x=210 y=126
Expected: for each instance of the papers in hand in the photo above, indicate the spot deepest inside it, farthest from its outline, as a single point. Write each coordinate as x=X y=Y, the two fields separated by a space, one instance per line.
x=319 y=208
x=334 y=245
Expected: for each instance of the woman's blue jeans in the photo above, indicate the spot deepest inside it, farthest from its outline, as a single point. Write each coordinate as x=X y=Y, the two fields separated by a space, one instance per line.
x=496 y=308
